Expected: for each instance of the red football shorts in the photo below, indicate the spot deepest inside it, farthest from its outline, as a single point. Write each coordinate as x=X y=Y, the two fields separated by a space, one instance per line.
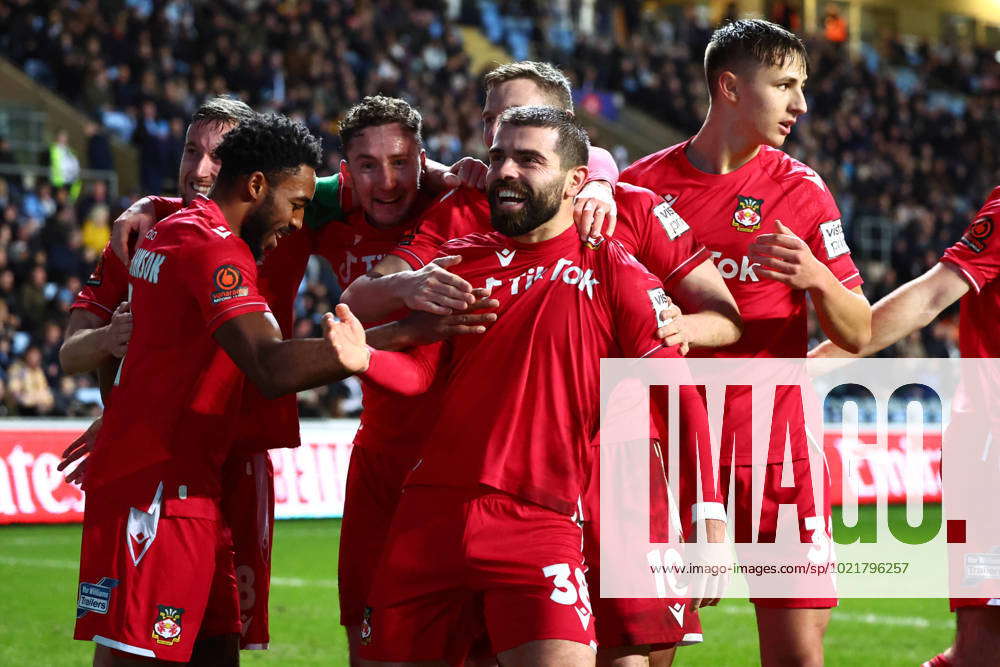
x=459 y=562
x=374 y=485
x=620 y=622
x=156 y=570
x=248 y=506
x=810 y=519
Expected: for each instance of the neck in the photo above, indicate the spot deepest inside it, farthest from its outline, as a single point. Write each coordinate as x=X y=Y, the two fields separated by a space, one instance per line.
x=721 y=145
x=555 y=226
x=233 y=210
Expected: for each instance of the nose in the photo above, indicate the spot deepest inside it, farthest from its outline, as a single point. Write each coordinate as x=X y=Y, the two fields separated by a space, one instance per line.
x=799 y=105
x=388 y=177
x=507 y=169
x=205 y=167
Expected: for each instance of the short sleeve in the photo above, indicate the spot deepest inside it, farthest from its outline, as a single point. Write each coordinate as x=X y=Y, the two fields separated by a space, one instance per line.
x=657 y=235
x=824 y=232
x=459 y=212
x=977 y=253
x=222 y=278
x=638 y=305
x=106 y=287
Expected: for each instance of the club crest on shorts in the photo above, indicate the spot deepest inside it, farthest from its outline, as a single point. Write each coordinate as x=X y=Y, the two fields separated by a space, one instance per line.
x=747 y=217
x=167 y=627
x=366 y=627
x=95 y=597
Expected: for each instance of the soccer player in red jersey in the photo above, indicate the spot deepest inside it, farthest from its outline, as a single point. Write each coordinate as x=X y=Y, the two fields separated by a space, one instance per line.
x=775 y=234
x=414 y=275
x=156 y=572
x=969 y=270
x=97 y=336
x=381 y=138
x=483 y=536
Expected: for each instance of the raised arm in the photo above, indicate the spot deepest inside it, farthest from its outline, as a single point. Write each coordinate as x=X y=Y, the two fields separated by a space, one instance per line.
x=907 y=309
x=392 y=285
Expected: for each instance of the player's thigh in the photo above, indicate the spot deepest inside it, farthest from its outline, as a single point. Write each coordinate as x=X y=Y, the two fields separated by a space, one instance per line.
x=623 y=656
x=663 y=657
x=220 y=651
x=548 y=653
x=791 y=636
x=977 y=641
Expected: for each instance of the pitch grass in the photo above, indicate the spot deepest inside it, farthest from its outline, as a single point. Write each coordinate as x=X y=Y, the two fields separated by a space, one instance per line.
x=38 y=569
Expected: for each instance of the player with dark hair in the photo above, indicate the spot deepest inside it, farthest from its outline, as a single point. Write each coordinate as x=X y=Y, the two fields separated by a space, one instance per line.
x=968 y=271
x=775 y=234
x=413 y=275
x=157 y=578
x=483 y=537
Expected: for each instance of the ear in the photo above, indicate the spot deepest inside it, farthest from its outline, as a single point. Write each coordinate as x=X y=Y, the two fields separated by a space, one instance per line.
x=423 y=161
x=256 y=187
x=575 y=180
x=728 y=86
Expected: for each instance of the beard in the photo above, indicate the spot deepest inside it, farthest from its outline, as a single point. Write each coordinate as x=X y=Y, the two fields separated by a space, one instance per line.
x=257 y=225
x=539 y=207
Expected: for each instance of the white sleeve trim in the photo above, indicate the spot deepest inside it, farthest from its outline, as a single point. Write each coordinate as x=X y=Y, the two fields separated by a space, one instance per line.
x=697 y=253
x=413 y=255
x=708 y=511
x=246 y=304
x=652 y=351
x=968 y=276
x=81 y=301
x=856 y=274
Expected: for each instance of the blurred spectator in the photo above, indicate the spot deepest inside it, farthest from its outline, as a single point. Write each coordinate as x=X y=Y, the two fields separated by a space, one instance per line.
x=64 y=167
x=6 y=154
x=834 y=25
x=99 y=154
x=28 y=387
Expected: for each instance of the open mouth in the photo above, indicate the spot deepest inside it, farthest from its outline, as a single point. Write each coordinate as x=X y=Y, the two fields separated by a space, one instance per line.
x=510 y=197
x=388 y=202
x=201 y=188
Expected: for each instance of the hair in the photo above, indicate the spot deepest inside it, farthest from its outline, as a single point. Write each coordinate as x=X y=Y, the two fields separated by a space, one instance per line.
x=270 y=143
x=376 y=110
x=223 y=111
x=572 y=146
x=750 y=41
x=552 y=82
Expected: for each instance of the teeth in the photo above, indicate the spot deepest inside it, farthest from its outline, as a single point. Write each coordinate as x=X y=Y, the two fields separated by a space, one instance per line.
x=510 y=194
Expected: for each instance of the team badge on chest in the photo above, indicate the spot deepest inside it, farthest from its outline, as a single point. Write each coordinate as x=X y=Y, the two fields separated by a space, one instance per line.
x=747 y=216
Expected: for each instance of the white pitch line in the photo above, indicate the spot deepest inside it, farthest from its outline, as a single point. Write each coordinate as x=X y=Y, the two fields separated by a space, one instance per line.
x=290 y=582
x=866 y=619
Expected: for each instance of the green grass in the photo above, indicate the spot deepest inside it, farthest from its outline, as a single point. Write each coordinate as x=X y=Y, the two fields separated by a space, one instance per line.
x=38 y=568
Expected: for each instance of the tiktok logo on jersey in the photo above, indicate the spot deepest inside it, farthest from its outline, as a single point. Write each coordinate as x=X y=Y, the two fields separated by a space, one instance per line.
x=730 y=268
x=564 y=270
x=345 y=272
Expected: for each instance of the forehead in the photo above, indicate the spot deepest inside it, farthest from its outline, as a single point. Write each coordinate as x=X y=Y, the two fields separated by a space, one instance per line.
x=517 y=137
x=297 y=184
x=389 y=139
x=514 y=93
x=793 y=66
x=208 y=132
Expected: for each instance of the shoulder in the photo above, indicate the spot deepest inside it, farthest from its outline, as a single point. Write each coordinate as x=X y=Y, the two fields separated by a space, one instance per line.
x=791 y=174
x=651 y=162
x=470 y=243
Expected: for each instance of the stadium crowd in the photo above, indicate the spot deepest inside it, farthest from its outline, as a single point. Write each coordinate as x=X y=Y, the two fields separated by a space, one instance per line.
x=901 y=134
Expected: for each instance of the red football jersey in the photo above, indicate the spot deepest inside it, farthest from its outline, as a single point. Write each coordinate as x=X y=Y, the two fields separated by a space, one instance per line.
x=728 y=211
x=353 y=247
x=977 y=255
x=267 y=423
x=521 y=401
x=178 y=393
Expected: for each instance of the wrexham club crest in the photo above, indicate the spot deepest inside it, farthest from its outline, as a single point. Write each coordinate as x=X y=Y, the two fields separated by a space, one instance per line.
x=167 y=627
x=747 y=216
